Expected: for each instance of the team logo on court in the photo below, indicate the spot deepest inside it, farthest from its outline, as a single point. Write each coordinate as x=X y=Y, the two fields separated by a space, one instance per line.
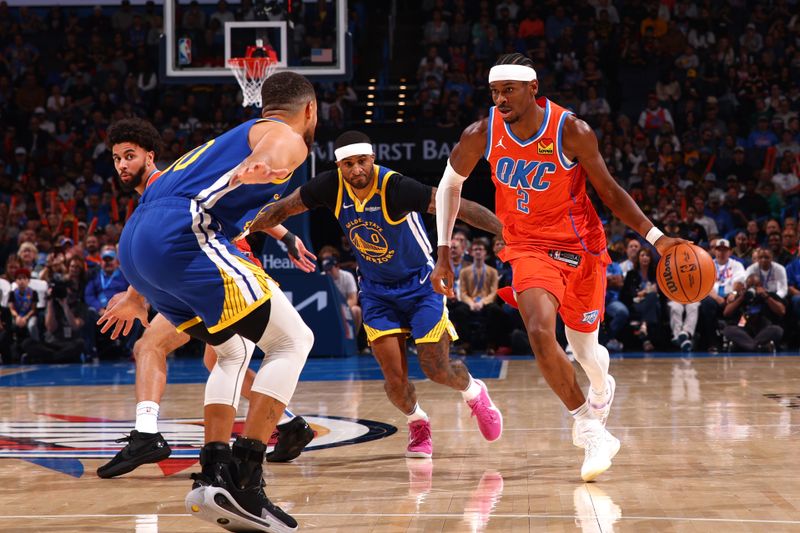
x=367 y=237
x=60 y=442
x=545 y=147
x=590 y=317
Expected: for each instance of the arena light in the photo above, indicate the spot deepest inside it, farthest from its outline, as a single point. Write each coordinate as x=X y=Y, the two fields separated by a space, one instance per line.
x=372 y=80
x=401 y=95
x=370 y=87
x=367 y=121
x=401 y=103
x=370 y=104
x=369 y=111
x=399 y=120
x=402 y=87
x=370 y=96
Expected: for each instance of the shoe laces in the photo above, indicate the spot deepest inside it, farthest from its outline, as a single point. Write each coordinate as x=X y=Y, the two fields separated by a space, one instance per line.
x=420 y=433
x=126 y=438
x=482 y=408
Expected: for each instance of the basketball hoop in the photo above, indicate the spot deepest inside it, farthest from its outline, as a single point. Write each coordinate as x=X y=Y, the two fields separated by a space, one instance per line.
x=251 y=72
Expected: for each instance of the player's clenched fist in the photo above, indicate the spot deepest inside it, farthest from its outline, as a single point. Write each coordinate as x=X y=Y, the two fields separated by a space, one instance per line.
x=256 y=172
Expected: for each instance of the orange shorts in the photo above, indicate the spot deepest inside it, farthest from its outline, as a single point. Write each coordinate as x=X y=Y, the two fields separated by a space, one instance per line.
x=580 y=289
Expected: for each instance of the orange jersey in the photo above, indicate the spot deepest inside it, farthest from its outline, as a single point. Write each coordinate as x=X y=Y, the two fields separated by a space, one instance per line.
x=540 y=195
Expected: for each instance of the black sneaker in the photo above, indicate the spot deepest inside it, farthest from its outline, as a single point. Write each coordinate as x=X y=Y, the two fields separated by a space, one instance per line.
x=293 y=436
x=142 y=448
x=235 y=498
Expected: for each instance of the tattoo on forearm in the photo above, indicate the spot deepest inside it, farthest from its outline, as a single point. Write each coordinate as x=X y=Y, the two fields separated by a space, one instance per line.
x=478 y=216
x=278 y=212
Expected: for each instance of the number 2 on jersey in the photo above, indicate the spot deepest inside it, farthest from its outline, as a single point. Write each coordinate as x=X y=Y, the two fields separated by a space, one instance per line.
x=522 y=201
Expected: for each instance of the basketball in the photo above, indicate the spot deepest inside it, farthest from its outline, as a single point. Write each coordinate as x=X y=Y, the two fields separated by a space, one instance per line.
x=686 y=273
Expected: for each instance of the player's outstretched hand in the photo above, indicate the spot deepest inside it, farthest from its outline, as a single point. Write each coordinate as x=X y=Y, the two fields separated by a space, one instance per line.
x=256 y=172
x=443 y=277
x=664 y=243
x=301 y=257
x=122 y=310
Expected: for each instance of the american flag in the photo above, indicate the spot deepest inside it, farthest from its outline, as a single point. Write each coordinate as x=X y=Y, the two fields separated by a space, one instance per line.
x=321 y=55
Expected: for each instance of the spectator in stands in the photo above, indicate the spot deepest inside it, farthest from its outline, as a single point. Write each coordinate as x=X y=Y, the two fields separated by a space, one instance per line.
x=344 y=281
x=775 y=245
x=478 y=285
x=654 y=115
x=772 y=276
x=640 y=296
x=28 y=256
x=754 y=314
x=616 y=315
x=108 y=281
x=728 y=270
x=22 y=303
x=632 y=248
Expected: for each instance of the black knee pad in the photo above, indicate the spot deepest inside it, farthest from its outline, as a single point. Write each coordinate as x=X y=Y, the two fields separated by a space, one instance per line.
x=199 y=331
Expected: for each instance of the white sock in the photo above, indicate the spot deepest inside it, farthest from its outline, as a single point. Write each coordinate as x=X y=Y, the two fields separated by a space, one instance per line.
x=472 y=391
x=147 y=417
x=582 y=412
x=417 y=414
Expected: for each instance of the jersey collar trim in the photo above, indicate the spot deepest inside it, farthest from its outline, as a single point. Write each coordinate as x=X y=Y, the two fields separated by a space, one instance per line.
x=538 y=134
x=359 y=204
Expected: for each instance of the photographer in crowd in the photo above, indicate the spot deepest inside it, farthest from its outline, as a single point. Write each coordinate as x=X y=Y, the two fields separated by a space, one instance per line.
x=754 y=314
x=65 y=317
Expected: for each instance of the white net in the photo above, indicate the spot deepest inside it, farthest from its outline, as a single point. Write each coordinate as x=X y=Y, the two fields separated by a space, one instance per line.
x=251 y=72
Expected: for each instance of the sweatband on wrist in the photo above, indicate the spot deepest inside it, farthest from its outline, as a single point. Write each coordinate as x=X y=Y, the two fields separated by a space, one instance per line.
x=653 y=235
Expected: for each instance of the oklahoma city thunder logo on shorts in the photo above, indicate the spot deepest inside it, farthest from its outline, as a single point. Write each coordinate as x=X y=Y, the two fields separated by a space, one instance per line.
x=61 y=442
x=590 y=317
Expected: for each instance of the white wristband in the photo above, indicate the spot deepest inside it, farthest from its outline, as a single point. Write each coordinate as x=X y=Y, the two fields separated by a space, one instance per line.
x=653 y=235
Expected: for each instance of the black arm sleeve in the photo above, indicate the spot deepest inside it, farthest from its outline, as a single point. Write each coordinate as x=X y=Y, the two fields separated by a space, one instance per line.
x=321 y=190
x=404 y=194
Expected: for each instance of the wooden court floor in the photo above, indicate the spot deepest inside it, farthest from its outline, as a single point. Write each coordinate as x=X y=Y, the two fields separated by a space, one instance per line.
x=708 y=444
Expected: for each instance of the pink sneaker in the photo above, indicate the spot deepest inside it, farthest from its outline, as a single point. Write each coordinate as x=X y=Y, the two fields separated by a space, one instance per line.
x=490 y=419
x=419 y=439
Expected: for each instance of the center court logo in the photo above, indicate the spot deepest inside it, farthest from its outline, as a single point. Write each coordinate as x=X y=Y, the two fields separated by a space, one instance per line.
x=60 y=442
x=367 y=237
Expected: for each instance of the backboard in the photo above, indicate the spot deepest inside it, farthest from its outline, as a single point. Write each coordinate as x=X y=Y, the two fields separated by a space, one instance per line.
x=308 y=36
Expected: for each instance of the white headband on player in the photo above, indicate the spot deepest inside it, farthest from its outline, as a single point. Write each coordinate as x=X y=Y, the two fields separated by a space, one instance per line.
x=353 y=149
x=511 y=73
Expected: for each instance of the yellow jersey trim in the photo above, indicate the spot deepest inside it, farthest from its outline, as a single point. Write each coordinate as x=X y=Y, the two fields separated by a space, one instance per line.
x=339 y=195
x=246 y=311
x=189 y=323
x=359 y=204
x=374 y=334
x=435 y=334
x=383 y=201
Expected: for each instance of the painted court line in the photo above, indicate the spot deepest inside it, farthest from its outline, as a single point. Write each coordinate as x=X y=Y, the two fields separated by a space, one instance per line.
x=423 y=515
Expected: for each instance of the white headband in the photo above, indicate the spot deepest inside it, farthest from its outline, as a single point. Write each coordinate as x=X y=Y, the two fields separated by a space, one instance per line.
x=511 y=73
x=353 y=149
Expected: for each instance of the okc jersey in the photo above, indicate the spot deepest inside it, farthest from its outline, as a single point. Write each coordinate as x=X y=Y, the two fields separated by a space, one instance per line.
x=202 y=175
x=388 y=250
x=540 y=195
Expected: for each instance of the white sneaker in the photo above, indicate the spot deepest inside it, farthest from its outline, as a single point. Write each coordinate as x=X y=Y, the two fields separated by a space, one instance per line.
x=600 y=407
x=600 y=447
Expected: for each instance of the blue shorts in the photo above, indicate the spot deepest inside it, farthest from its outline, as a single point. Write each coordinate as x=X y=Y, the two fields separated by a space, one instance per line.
x=410 y=307
x=174 y=254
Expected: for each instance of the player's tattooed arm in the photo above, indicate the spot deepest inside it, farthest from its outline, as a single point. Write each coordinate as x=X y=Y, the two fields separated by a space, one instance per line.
x=473 y=214
x=279 y=211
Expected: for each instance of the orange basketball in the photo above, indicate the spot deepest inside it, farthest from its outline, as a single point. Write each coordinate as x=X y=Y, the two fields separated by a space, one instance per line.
x=686 y=273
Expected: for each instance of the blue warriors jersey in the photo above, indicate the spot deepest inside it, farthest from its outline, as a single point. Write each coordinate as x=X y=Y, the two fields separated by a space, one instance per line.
x=388 y=250
x=203 y=173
